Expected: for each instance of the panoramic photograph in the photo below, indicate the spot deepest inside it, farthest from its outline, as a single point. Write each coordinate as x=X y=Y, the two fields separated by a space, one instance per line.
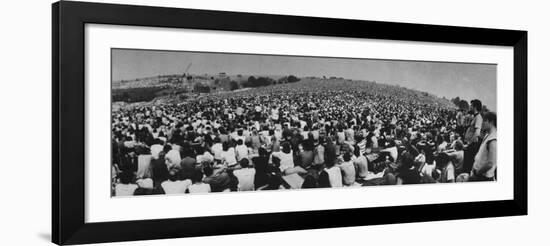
x=185 y=122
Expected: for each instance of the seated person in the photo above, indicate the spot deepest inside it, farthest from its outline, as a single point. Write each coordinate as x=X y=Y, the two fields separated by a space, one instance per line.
x=445 y=168
x=348 y=170
x=198 y=186
x=126 y=187
x=245 y=175
x=218 y=180
x=334 y=174
x=174 y=185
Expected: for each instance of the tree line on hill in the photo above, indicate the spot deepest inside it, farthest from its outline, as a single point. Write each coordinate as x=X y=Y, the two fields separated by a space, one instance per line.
x=253 y=82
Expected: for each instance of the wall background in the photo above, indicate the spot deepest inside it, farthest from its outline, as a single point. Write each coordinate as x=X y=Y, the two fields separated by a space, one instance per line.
x=25 y=106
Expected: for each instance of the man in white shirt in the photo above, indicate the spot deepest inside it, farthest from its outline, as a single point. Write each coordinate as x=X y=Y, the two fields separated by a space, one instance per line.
x=156 y=149
x=245 y=175
x=242 y=150
x=217 y=149
x=198 y=186
x=173 y=185
x=285 y=156
x=228 y=155
x=125 y=187
x=348 y=169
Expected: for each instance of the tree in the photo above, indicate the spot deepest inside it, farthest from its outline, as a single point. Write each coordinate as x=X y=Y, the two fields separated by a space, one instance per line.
x=263 y=81
x=292 y=79
x=233 y=85
x=251 y=82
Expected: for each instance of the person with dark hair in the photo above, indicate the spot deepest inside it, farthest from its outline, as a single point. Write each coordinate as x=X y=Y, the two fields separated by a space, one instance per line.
x=324 y=180
x=348 y=170
x=334 y=174
x=472 y=135
x=233 y=180
x=187 y=164
x=198 y=186
x=156 y=148
x=245 y=175
x=159 y=170
x=474 y=129
x=457 y=156
x=129 y=160
x=285 y=156
x=241 y=151
x=361 y=164
x=217 y=148
x=175 y=185
x=319 y=153
x=203 y=155
x=310 y=182
x=261 y=176
x=445 y=168
x=126 y=187
x=306 y=156
x=407 y=173
x=228 y=156
x=218 y=179
x=485 y=164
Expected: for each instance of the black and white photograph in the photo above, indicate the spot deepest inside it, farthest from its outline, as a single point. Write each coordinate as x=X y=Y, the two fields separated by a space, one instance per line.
x=189 y=122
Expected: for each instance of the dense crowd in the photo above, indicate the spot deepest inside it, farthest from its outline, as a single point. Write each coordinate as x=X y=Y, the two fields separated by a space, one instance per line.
x=298 y=138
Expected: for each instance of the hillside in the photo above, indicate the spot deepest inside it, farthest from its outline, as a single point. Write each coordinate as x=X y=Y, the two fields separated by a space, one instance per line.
x=161 y=93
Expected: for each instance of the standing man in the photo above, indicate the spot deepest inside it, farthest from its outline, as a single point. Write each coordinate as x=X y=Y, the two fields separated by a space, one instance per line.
x=474 y=129
x=485 y=163
x=472 y=135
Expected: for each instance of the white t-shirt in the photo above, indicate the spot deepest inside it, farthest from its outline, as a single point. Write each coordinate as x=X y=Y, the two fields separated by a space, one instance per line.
x=242 y=152
x=229 y=157
x=427 y=169
x=199 y=188
x=155 y=150
x=125 y=189
x=246 y=178
x=287 y=160
x=144 y=161
x=334 y=176
x=217 y=149
x=205 y=157
x=175 y=187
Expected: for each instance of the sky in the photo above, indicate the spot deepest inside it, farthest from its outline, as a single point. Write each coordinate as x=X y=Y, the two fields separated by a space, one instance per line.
x=465 y=80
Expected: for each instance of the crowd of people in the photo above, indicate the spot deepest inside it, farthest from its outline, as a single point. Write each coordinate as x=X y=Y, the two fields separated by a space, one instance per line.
x=299 y=137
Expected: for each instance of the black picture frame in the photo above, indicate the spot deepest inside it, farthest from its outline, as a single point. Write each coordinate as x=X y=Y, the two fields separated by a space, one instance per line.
x=68 y=122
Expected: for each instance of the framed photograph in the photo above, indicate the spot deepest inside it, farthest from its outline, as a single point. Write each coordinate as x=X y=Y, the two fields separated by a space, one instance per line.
x=175 y=122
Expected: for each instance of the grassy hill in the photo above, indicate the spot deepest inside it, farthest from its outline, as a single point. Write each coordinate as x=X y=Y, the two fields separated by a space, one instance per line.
x=158 y=92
